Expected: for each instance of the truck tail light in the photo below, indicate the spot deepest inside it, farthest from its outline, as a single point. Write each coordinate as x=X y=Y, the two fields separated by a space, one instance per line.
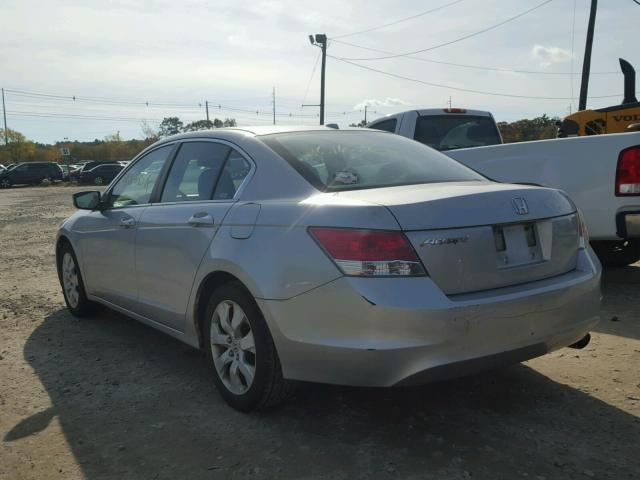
x=369 y=253
x=455 y=110
x=628 y=172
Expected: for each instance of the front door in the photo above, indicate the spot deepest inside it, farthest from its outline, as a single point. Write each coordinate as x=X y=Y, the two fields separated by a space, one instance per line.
x=174 y=235
x=107 y=237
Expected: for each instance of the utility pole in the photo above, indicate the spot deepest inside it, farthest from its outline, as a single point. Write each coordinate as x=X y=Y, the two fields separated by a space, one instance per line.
x=4 y=114
x=586 y=64
x=320 y=40
x=365 y=114
x=206 y=106
x=274 y=105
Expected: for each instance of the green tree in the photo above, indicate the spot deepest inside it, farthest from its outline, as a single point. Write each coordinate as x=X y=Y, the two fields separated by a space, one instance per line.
x=150 y=133
x=229 y=122
x=525 y=130
x=362 y=123
x=170 y=126
x=19 y=149
x=198 y=125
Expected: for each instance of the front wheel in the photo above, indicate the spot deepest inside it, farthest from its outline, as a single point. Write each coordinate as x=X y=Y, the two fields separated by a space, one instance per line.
x=5 y=183
x=240 y=349
x=72 y=284
x=617 y=254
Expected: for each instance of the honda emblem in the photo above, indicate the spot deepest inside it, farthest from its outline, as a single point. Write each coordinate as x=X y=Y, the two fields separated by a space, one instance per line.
x=520 y=205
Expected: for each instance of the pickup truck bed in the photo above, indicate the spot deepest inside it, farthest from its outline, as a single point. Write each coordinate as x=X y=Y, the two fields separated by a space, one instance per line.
x=585 y=168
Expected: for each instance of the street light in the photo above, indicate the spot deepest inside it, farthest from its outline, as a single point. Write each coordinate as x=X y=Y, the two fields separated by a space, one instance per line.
x=320 y=40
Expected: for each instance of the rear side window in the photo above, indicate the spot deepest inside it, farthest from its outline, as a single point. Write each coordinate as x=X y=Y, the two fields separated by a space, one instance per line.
x=349 y=160
x=195 y=171
x=233 y=174
x=386 y=125
x=452 y=131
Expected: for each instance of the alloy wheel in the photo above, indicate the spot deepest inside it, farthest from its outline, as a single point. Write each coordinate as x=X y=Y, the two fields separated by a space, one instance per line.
x=5 y=183
x=233 y=347
x=70 y=280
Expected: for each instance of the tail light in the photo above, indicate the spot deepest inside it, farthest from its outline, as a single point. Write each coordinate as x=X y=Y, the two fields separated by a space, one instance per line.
x=628 y=172
x=369 y=253
x=455 y=110
x=582 y=230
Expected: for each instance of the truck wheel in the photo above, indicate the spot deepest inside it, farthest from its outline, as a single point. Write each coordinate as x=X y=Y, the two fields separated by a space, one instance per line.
x=617 y=254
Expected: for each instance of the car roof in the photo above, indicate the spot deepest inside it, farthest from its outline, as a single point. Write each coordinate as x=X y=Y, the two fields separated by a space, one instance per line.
x=235 y=132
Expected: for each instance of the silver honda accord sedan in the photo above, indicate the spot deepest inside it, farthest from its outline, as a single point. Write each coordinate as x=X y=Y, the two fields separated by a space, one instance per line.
x=351 y=257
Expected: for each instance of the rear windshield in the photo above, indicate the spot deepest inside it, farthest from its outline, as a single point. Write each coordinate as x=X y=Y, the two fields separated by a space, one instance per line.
x=348 y=160
x=452 y=131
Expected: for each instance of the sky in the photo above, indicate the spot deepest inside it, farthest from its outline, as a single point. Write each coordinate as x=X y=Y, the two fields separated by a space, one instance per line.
x=129 y=61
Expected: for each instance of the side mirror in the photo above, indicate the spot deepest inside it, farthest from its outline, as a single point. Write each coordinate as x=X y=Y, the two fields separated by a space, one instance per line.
x=86 y=200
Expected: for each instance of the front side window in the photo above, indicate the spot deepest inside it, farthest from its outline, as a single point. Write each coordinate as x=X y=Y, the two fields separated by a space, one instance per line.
x=195 y=171
x=349 y=160
x=452 y=131
x=135 y=186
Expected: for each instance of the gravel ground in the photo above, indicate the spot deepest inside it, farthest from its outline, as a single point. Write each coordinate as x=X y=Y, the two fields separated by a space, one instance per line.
x=108 y=398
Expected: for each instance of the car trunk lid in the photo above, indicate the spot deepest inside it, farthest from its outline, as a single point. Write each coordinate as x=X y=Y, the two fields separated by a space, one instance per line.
x=476 y=236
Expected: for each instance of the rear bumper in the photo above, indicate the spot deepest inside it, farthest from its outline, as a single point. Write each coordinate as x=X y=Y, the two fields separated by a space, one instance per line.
x=628 y=224
x=391 y=331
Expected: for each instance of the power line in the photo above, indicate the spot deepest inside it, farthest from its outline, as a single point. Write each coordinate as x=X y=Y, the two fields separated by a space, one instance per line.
x=397 y=21
x=484 y=30
x=476 y=67
x=460 y=89
x=313 y=72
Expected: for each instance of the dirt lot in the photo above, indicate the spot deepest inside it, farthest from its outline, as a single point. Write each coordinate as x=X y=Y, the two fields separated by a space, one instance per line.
x=108 y=398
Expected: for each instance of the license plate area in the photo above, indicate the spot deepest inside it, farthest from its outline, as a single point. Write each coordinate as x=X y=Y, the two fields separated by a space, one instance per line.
x=517 y=245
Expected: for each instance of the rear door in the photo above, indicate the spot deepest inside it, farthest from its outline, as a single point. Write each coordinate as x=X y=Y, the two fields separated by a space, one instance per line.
x=174 y=234
x=107 y=237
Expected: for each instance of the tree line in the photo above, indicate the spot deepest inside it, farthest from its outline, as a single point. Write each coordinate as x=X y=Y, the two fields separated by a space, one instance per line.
x=114 y=148
x=111 y=148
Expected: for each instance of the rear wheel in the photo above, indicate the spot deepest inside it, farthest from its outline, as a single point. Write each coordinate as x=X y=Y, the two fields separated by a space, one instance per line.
x=617 y=253
x=72 y=284
x=46 y=181
x=5 y=183
x=240 y=349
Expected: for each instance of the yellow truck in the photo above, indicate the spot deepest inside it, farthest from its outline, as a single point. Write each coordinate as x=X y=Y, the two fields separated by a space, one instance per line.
x=615 y=119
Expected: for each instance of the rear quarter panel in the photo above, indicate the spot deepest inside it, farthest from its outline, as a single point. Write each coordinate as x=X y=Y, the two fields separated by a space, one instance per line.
x=584 y=167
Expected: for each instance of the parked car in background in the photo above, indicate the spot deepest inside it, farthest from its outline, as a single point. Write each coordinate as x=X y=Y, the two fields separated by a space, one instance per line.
x=2 y=167
x=352 y=257
x=443 y=128
x=31 y=173
x=100 y=174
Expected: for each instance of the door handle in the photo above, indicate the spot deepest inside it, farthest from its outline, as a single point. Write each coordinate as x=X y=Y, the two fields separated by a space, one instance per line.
x=201 y=219
x=127 y=222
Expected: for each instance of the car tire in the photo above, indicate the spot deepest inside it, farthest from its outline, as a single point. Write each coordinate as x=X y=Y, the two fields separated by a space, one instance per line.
x=239 y=347
x=98 y=181
x=617 y=254
x=72 y=283
x=6 y=183
x=46 y=181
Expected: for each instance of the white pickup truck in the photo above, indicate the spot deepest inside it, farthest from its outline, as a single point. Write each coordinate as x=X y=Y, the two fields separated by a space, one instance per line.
x=600 y=173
